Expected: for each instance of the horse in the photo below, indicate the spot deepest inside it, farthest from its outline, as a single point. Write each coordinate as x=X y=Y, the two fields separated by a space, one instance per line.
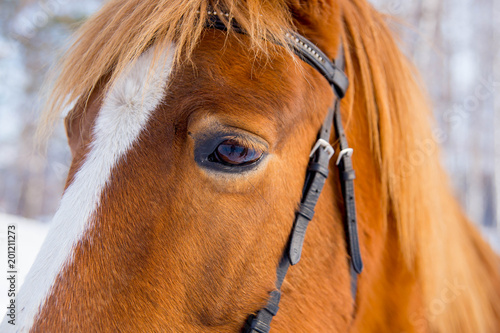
x=190 y=147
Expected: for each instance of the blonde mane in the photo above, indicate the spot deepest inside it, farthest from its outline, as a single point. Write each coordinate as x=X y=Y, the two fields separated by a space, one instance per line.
x=436 y=239
x=437 y=242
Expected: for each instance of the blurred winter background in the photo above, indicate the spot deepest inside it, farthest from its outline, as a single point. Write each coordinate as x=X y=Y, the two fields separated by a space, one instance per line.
x=454 y=43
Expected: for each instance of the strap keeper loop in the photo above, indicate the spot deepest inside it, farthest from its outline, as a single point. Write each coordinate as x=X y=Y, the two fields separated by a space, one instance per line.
x=348 y=175
x=307 y=212
x=318 y=167
x=273 y=303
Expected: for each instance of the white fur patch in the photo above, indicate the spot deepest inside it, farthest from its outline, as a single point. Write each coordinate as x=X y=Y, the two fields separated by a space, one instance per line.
x=124 y=113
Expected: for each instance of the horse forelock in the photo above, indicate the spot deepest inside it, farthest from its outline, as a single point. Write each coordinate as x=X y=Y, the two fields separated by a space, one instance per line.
x=121 y=31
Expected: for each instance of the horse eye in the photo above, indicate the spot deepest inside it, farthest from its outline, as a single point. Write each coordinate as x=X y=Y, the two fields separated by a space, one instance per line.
x=233 y=153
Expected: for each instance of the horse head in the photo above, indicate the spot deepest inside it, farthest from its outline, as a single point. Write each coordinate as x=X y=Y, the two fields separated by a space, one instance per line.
x=190 y=151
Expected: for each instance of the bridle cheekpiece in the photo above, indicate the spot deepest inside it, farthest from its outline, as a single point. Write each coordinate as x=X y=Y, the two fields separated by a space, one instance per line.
x=317 y=172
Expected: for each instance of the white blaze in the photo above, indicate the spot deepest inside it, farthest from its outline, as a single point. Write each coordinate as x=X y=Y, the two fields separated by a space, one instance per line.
x=124 y=113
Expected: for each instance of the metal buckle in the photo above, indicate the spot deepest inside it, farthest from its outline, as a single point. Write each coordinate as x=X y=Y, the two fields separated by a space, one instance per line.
x=348 y=152
x=326 y=145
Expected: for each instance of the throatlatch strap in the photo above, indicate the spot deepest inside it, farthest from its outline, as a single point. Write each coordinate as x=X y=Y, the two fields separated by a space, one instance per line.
x=347 y=176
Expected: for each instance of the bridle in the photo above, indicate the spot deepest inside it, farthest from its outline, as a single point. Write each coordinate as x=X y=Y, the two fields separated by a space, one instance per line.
x=317 y=172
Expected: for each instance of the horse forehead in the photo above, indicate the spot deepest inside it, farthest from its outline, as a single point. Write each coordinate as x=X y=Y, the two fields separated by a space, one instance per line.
x=226 y=77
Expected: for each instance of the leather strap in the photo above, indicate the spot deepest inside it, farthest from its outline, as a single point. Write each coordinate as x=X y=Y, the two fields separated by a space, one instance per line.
x=315 y=179
x=312 y=55
x=347 y=176
x=261 y=322
x=317 y=173
x=304 y=49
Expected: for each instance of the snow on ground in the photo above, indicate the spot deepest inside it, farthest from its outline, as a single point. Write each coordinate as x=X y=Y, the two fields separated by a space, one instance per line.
x=492 y=235
x=29 y=238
